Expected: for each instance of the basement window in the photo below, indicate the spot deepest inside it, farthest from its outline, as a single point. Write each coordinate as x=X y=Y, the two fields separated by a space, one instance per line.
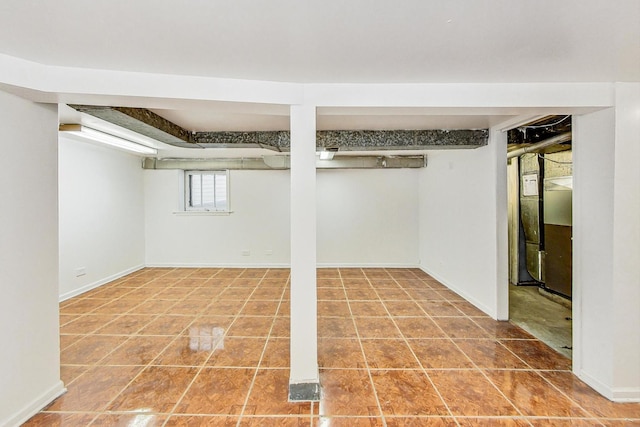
x=206 y=191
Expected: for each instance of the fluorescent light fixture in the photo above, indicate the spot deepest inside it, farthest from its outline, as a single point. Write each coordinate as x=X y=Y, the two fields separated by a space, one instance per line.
x=328 y=153
x=105 y=138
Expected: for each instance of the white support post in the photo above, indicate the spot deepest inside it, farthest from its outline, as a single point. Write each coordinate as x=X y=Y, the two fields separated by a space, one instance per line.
x=499 y=141
x=626 y=250
x=304 y=380
x=606 y=212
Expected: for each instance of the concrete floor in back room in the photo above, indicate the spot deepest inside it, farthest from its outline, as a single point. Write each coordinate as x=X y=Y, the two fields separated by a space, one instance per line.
x=547 y=320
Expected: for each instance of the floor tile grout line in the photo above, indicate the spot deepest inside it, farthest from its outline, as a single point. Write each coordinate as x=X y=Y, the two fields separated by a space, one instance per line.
x=576 y=403
x=150 y=364
x=117 y=315
x=175 y=336
x=139 y=372
x=493 y=337
x=264 y=349
x=476 y=367
x=97 y=363
x=225 y=335
x=515 y=354
x=171 y=412
x=484 y=374
x=473 y=363
x=500 y=340
x=418 y=360
x=364 y=356
x=469 y=358
x=204 y=363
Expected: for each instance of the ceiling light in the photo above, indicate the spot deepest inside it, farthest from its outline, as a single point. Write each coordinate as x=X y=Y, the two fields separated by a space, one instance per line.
x=328 y=153
x=105 y=138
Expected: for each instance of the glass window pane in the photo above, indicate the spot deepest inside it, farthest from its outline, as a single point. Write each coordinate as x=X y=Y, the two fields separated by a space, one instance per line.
x=196 y=190
x=208 y=191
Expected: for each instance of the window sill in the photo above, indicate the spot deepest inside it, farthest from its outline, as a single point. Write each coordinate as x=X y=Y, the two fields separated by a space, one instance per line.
x=203 y=213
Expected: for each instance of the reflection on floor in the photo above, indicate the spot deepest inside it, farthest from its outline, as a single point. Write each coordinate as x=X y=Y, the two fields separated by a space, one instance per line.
x=209 y=347
x=542 y=317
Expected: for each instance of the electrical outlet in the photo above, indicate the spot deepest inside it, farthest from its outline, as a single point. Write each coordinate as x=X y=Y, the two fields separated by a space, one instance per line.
x=246 y=253
x=80 y=271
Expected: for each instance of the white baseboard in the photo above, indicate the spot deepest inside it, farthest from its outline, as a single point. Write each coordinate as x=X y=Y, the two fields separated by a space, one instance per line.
x=365 y=265
x=97 y=283
x=480 y=306
x=615 y=394
x=35 y=406
x=595 y=384
x=217 y=265
x=278 y=265
x=626 y=394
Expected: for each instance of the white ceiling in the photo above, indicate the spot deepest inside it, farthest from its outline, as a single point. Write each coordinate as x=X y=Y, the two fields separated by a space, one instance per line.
x=351 y=41
x=219 y=119
x=323 y=41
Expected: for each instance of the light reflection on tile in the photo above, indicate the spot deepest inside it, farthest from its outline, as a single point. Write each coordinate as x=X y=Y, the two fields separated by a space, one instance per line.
x=210 y=346
x=129 y=420
x=520 y=386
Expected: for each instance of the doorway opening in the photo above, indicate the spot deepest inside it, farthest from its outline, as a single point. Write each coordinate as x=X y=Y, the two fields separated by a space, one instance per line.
x=540 y=184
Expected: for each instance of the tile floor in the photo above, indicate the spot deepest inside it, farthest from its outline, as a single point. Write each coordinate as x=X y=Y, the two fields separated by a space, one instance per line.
x=208 y=347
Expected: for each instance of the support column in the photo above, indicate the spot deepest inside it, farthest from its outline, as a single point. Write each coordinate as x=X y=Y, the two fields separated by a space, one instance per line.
x=626 y=250
x=606 y=214
x=304 y=379
x=499 y=142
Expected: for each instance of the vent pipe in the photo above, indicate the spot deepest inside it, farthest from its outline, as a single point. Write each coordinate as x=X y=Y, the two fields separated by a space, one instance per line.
x=558 y=139
x=283 y=162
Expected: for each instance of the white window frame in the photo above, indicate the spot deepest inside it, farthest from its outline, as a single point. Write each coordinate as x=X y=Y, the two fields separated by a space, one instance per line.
x=203 y=209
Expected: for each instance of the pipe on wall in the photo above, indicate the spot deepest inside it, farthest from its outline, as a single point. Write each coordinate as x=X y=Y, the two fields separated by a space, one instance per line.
x=558 y=139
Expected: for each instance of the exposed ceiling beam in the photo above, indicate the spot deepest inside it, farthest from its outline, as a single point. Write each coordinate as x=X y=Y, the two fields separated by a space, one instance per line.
x=357 y=140
x=152 y=125
x=351 y=140
x=142 y=121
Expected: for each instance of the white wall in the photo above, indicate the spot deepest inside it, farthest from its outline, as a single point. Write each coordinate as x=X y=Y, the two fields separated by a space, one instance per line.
x=365 y=217
x=30 y=357
x=368 y=217
x=101 y=215
x=459 y=223
x=259 y=222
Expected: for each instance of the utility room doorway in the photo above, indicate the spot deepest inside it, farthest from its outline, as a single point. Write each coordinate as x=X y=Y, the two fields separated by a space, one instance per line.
x=540 y=193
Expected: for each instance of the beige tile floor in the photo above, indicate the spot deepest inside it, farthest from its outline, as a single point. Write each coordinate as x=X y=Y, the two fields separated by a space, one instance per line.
x=207 y=347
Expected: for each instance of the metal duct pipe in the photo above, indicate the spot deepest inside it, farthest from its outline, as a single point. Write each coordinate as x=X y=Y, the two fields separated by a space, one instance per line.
x=558 y=139
x=283 y=162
